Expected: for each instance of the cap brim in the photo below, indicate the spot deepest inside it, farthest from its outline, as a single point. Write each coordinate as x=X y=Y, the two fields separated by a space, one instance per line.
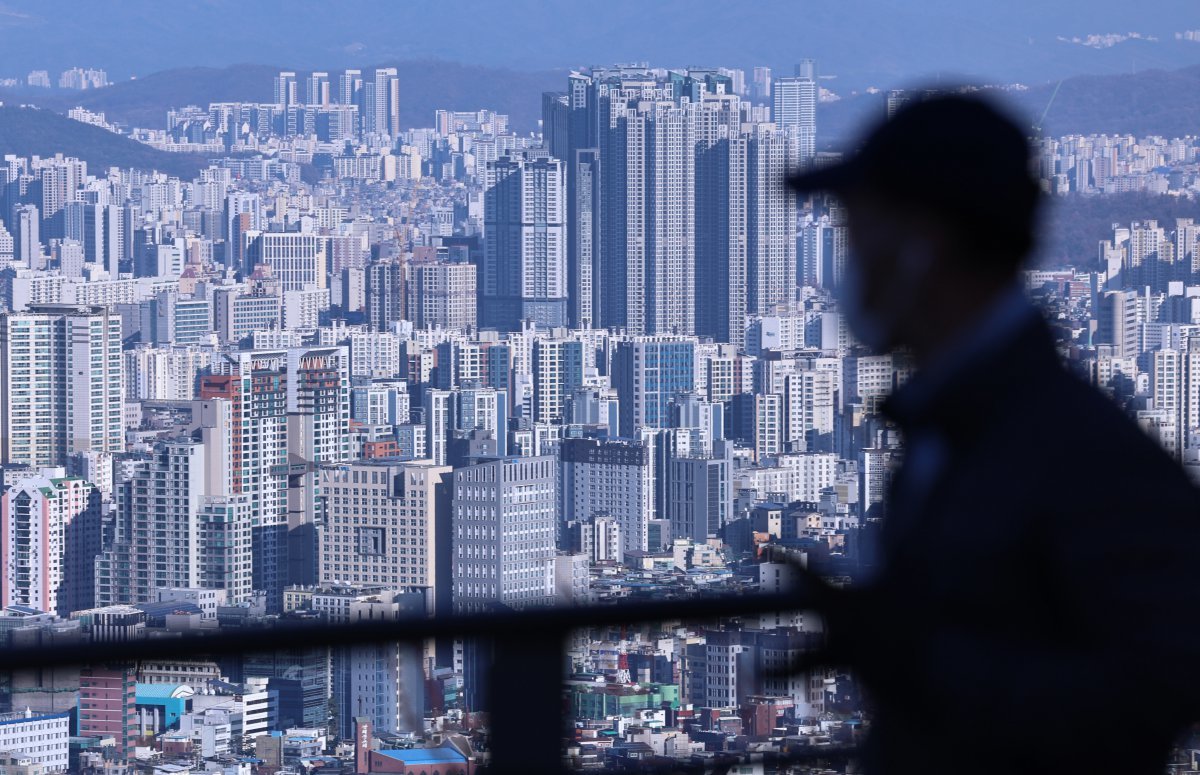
x=837 y=178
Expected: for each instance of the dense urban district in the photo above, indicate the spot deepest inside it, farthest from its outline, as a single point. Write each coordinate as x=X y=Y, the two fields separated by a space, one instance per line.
x=353 y=372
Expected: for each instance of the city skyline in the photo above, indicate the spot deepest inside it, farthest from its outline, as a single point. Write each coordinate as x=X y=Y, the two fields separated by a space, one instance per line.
x=363 y=368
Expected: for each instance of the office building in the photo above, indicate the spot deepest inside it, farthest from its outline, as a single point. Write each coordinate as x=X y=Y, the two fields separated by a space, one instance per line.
x=613 y=478
x=38 y=742
x=382 y=525
x=297 y=260
x=503 y=533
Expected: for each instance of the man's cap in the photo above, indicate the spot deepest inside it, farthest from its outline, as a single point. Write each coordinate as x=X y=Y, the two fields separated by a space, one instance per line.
x=955 y=154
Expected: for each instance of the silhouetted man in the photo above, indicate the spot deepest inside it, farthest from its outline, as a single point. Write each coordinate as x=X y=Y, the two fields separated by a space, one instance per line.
x=1039 y=580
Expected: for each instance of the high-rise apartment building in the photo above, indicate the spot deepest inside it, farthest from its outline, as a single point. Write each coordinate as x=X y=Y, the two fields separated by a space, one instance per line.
x=318 y=89
x=770 y=220
x=27 y=245
x=794 y=107
x=441 y=294
x=524 y=271
x=255 y=438
x=721 y=239
x=557 y=370
x=760 y=85
x=385 y=293
x=61 y=384
x=381 y=103
x=286 y=94
x=350 y=85
x=49 y=539
x=647 y=251
x=243 y=214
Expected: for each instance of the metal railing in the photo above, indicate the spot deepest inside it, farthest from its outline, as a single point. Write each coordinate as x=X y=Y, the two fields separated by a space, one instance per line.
x=525 y=687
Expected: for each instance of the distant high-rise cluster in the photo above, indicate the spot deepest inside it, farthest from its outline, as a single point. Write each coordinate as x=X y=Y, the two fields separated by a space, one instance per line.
x=78 y=78
x=677 y=218
x=371 y=106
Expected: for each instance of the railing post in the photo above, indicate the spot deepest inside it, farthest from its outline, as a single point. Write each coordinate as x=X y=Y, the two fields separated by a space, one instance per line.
x=525 y=700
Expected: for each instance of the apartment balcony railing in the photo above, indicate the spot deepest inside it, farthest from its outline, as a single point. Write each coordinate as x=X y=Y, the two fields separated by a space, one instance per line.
x=526 y=707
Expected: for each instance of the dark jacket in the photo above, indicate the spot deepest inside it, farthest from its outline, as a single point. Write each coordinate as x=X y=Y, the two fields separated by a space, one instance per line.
x=1036 y=611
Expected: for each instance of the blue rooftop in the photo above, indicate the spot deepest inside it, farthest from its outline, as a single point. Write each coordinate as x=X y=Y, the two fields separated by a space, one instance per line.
x=411 y=756
x=162 y=691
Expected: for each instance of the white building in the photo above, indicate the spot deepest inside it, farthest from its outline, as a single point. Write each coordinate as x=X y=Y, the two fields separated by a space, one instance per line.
x=60 y=384
x=43 y=739
x=51 y=533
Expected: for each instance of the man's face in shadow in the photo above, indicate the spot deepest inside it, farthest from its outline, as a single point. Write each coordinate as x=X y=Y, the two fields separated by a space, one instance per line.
x=895 y=256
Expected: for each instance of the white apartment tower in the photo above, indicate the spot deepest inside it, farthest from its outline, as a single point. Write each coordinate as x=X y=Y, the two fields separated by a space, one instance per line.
x=49 y=539
x=60 y=384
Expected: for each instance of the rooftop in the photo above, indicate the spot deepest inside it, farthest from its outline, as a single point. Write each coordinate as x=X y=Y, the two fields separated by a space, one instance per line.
x=411 y=756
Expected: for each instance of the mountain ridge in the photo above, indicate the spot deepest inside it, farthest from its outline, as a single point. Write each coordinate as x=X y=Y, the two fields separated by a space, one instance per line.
x=30 y=131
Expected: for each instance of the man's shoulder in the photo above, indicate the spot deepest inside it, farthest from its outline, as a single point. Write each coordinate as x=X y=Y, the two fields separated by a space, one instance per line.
x=1090 y=445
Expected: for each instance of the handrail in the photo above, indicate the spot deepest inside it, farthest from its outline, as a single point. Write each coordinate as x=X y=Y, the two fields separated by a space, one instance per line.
x=525 y=686
x=241 y=640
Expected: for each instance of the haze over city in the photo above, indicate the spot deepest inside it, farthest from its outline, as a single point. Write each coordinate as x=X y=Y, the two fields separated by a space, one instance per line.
x=480 y=388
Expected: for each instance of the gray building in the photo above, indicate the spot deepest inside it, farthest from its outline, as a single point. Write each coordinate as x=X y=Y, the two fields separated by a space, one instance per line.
x=503 y=533
x=524 y=272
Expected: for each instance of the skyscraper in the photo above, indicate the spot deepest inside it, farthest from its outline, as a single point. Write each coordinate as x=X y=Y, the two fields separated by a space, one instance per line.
x=721 y=239
x=60 y=384
x=285 y=89
x=771 y=221
x=169 y=533
x=318 y=89
x=794 y=107
x=27 y=244
x=524 y=272
x=382 y=108
x=255 y=384
x=350 y=85
x=385 y=293
x=243 y=214
x=648 y=215
x=760 y=89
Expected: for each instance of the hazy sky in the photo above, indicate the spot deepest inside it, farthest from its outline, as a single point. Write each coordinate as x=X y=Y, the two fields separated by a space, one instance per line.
x=862 y=42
